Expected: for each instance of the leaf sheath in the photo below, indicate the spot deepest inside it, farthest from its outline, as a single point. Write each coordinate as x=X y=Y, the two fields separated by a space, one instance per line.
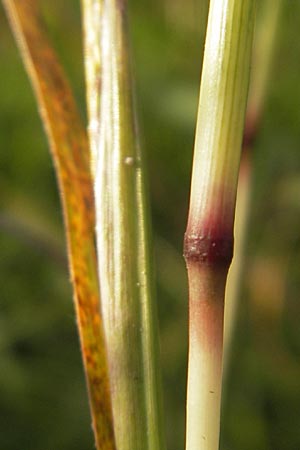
x=123 y=236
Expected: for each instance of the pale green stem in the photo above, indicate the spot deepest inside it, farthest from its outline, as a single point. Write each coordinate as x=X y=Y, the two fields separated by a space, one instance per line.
x=122 y=239
x=221 y=113
x=208 y=239
x=206 y=311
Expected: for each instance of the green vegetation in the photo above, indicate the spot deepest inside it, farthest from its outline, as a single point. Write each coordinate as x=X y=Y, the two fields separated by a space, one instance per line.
x=43 y=401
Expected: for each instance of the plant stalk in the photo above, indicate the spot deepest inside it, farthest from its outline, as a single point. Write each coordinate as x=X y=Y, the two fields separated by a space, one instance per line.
x=208 y=245
x=123 y=239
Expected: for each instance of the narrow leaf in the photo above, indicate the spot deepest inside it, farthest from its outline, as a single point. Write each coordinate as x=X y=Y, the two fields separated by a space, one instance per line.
x=122 y=231
x=69 y=148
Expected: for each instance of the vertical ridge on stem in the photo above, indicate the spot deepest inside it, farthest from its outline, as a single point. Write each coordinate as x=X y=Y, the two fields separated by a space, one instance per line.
x=122 y=239
x=208 y=245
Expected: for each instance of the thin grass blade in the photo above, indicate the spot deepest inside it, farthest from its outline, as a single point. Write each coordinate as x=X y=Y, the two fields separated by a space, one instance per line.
x=70 y=152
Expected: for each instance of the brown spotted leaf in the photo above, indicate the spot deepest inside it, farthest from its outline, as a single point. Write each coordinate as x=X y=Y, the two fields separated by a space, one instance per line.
x=70 y=152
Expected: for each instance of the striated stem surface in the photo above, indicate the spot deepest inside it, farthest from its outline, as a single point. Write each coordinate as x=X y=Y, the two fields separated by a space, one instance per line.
x=122 y=234
x=208 y=243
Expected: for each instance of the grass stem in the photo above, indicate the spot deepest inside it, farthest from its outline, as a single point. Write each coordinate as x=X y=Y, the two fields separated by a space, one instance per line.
x=209 y=236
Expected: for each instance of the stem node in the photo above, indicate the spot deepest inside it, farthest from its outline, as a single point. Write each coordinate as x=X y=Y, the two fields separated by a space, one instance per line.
x=210 y=250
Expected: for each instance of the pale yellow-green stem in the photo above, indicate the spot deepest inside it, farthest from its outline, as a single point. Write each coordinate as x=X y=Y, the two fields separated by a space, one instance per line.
x=122 y=237
x=209 y=235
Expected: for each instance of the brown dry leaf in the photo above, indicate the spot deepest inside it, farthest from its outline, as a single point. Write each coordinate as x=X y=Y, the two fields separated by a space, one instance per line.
x=70 y=152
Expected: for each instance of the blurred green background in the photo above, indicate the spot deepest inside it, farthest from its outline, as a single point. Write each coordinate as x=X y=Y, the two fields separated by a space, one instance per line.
x=43 y=403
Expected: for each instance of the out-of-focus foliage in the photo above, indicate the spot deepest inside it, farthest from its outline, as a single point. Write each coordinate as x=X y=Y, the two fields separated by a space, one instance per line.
x=43 y=403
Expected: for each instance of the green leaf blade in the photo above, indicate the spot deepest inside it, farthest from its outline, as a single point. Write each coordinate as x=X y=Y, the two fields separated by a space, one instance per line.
x=123 y=239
